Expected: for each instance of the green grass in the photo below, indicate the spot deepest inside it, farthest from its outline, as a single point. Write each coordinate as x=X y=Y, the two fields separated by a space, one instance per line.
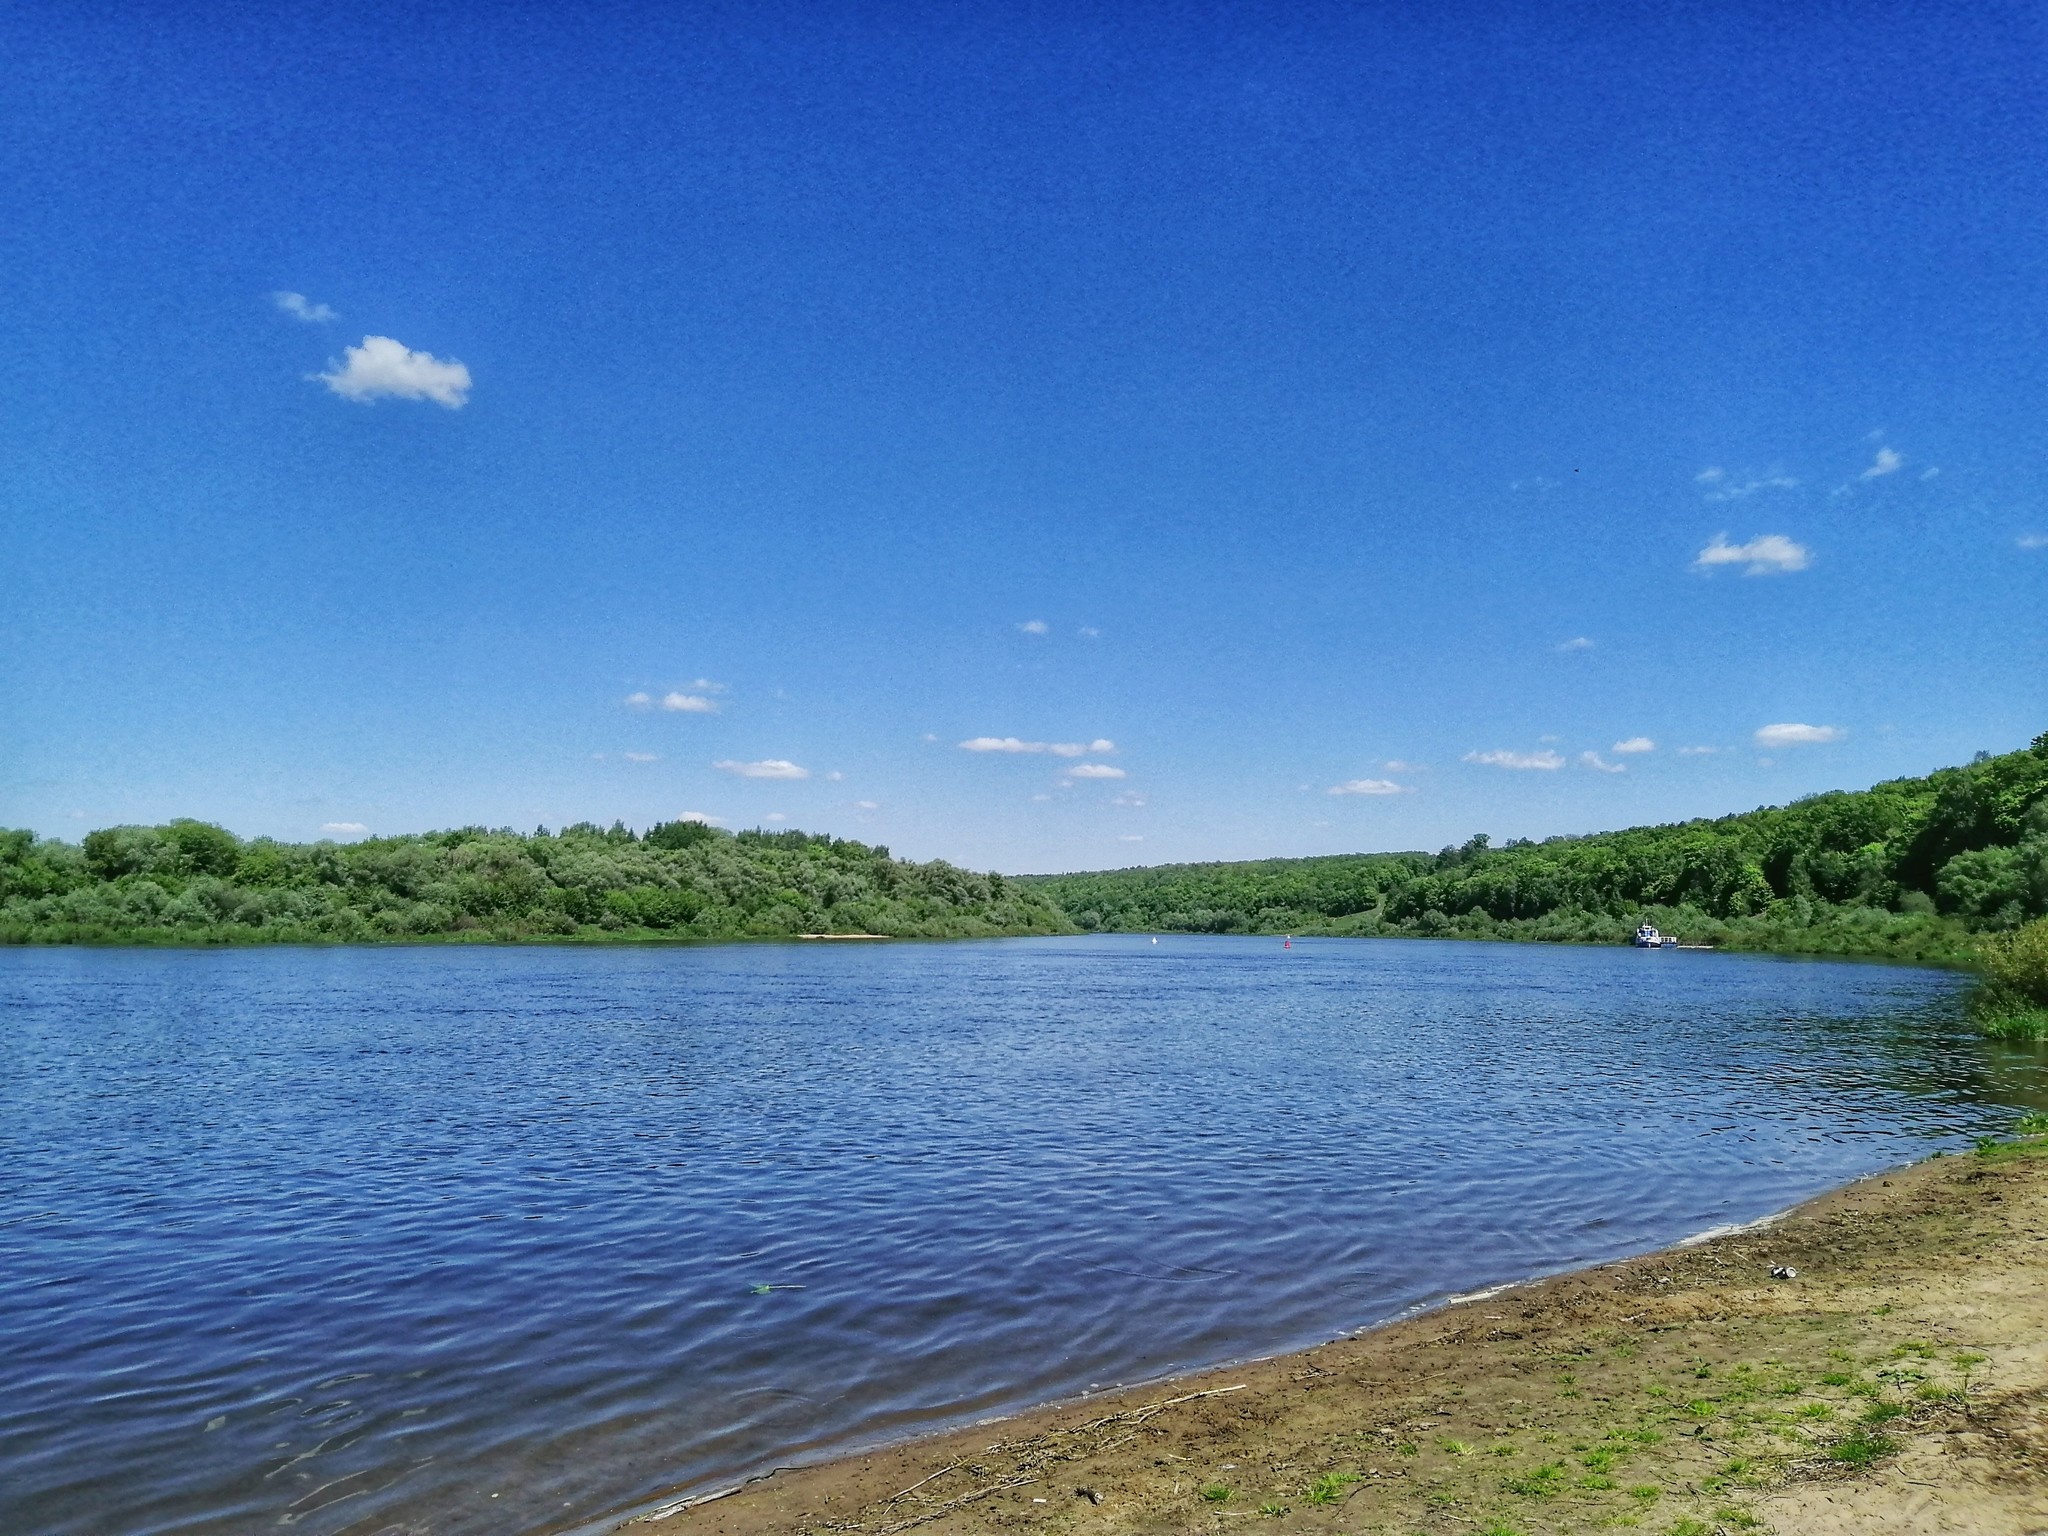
x=1862 y=1448
x=1329 y=1488
x=1216 y=1493
x=1544 y=1482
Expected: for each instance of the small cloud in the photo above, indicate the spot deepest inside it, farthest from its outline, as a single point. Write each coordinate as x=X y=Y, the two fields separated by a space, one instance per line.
x=1713 y=474
x=1399 y=765
x=1697 y=751
x=928 y=736
x=703 y=819
x=688 y=704
x=834 y=777
x=1090 y=632
x=1888 y=462
x=705 y=685
x=1131 y=837
x=1096 y=771
x=1594 y=760
x=640 y=757
x=343 y=828
x=1930 y=472
x=2033 y=541
x=75 y=815
x=1751 y=487
x=1576 y=643
x=299 y=307
x=766 y=768
x=597 y=757
x=381 y=367
x=866 y=805
x=1634 y=744
x=1792 y=735
x=775 y=816
x=1041 y=797
x=1768 y=554
x=638 y=701
x=1035 y=627
x=1056 y=748
x=1368 y=787
x=1129 y=798
x=1546 y=760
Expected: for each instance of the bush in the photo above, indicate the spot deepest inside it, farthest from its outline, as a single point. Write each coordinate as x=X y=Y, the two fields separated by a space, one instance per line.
x=2011 y=1001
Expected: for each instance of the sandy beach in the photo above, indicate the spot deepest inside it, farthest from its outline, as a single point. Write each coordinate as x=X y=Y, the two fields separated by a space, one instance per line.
x=1894 y=1381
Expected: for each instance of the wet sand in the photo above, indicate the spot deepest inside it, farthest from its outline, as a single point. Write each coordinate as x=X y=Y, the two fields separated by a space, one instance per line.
x=1898 y=1383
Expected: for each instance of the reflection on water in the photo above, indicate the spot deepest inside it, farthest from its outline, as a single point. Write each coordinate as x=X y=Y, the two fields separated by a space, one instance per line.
x=502 y=1240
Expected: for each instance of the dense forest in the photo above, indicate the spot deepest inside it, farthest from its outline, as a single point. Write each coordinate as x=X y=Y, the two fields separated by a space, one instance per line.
x=1914 y=868
x=1924 y=869
x=194 y=882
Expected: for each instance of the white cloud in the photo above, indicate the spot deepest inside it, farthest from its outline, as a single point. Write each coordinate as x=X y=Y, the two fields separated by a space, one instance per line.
x=702 y=818
x=640 y=757
x=1930 y=472
x=1793 y=735
x=1035 y=627
x=299 y=307
x=1368 y=787
x=2033 y=541
x=1128 y=798
x=381 y=366
x=866 y=805
x=343 y=828
x=688 y=704
x=1713 y=474
x=1056 y=748
x=766 y=768
x=1697 y=751
x=1545 y=760
x=638 y=700
x=1576 y=643
x=1096 y=771
x=705 y=685
x=834 y=777
x=1036 y=798
x=1634 y=744
x=1888 y=462
x=1090 y=632
x=1399 y=765
x=775 y=816
x=1751 y=487
x=1594 y=760
x=1768 y=554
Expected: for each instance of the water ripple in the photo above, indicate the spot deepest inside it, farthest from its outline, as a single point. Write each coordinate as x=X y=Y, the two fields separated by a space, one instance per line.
x=504 y=1240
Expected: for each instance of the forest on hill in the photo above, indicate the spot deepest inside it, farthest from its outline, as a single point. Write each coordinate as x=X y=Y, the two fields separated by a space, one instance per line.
x=192 y=882
x=1917 y=868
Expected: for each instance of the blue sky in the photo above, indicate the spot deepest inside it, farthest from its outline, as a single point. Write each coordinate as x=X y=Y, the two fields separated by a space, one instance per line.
x=1433 y=403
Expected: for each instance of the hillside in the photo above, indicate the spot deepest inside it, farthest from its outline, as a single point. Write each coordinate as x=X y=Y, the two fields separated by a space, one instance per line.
x=190 y=881
x=1912 y=868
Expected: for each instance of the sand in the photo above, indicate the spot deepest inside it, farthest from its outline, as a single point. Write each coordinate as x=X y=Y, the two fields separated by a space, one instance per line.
x=1898 y=1384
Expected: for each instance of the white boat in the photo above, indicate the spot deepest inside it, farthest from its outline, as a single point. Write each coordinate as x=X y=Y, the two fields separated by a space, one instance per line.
x=1647 y=937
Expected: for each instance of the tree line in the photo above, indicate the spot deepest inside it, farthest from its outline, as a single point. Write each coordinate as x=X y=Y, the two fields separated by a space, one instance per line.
x=1915 y=868
x=191 y=881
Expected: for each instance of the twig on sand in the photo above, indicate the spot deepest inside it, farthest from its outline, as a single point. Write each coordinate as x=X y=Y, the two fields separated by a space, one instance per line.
x=692 y=1502
x=1030 y=1458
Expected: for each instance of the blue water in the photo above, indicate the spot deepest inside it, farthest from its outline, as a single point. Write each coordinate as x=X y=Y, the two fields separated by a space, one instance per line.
x=467 y=1240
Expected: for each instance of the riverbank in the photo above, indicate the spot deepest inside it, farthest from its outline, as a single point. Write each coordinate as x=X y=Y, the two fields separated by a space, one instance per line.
x=1896 y=1380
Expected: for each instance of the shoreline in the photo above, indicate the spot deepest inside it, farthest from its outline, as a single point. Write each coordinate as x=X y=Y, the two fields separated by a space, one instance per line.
x=1685 y=1384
